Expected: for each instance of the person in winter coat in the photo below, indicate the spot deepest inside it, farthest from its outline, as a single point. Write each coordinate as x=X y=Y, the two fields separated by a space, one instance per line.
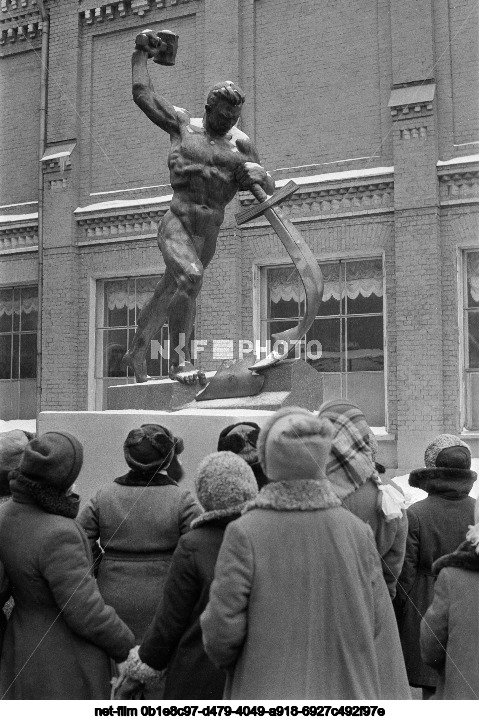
x=352 y=472
x=12 y=445
x=61 y=633
x=242 y=438
x=138 y=520
x=450 y=627
x=437 y=525
x=224 y=483
x=298 y=604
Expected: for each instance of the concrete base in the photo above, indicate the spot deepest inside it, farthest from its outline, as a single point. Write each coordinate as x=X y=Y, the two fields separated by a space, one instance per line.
x=290 y=383
x=102 y=435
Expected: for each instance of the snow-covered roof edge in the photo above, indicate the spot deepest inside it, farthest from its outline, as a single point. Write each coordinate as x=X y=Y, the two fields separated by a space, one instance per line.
x=115 y=204
x=26 y=217
x=459 y=161
x=341 y=175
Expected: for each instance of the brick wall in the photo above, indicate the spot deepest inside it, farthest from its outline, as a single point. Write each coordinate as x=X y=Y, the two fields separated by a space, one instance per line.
x=317 y=77
x=19 y=117
x=317 y=70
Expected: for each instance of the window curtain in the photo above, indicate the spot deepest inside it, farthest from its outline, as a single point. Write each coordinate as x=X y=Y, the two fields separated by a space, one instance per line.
x=26 y=302
x=362 y=278
x=473 y=275
x=120 y=293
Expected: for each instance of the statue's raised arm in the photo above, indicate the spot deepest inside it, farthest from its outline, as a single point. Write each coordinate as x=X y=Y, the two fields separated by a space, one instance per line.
x=162 y=48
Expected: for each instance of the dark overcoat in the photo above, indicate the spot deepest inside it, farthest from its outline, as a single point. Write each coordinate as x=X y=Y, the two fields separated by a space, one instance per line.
x=299 y=608
x=174 y=637
x=437 y=525
x=138 y=528
x=61 y=633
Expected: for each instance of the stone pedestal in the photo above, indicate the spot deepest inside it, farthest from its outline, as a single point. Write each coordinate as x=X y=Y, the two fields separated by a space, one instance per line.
x=102 y=434
x=290 y=383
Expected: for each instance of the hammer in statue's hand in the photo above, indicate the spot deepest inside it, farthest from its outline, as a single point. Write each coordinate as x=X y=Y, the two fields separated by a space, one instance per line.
x=161 y=46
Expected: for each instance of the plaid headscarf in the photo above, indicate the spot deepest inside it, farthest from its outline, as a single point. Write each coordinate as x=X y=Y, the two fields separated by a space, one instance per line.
x=350 y=462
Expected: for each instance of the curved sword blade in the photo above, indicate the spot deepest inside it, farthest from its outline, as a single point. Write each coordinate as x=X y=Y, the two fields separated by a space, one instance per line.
x=311 y=277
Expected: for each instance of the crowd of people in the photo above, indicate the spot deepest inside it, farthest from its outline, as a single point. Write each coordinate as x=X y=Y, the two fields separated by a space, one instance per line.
x=295 y=570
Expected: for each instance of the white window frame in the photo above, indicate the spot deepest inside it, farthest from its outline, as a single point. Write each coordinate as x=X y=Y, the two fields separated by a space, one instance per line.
x=259 y=298
x=463 y=338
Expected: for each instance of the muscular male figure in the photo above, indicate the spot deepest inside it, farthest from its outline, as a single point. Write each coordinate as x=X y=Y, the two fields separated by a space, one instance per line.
x=209 y=160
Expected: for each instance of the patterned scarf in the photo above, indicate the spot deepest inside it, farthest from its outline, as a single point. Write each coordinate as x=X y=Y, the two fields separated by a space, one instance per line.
x=350 y=463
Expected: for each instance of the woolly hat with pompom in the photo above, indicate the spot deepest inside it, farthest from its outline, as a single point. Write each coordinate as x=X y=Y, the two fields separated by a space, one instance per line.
x=294 y=445
x=224 y=483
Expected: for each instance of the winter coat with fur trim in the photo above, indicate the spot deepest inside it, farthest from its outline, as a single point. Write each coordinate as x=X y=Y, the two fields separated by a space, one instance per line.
x=450 y=627
x=299 y=608
x=174 y=636
x=437 y=525
x=61 y=633
x=138 y=527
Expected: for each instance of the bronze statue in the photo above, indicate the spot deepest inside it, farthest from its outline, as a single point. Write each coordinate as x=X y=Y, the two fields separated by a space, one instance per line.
x=209 y=160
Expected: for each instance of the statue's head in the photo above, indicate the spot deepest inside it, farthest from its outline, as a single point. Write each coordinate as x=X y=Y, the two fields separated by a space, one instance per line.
x=223 y=107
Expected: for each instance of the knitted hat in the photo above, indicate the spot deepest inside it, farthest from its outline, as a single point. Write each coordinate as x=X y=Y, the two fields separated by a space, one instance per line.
x=447 y=451
x=151 y=448
x=12 y=444
x=53 y=459
x=224 y=483
x=294 y=445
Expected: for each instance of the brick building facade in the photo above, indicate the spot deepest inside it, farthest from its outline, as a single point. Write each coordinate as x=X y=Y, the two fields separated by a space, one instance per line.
x=372 y=106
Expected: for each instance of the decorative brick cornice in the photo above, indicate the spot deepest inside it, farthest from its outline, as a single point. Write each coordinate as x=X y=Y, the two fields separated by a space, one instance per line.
x=419 y=133
x=17 y=6
x=28 y=26
x=337 y=195
x=459 y=183
x=17 y=234
x=121 y=223
x=105 y=11
x=412 y=100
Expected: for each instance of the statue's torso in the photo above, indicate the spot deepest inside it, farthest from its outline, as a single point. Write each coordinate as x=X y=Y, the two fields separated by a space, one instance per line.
x=202 y=169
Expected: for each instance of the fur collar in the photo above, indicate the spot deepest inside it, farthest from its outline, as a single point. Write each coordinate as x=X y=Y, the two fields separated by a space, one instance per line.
x=219 y=518
x=148 y=478
x=302 y=495
x=448 y=482
x=46 y=497
x=465 y=556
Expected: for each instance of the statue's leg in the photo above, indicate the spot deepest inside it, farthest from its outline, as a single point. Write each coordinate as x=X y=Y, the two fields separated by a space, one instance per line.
x=155 y=313
x=185 y=259
x=150 y=321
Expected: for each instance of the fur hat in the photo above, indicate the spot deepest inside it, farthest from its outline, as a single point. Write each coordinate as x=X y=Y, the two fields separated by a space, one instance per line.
x=53 y=459
x=240 y=438
x=224 y=483
x=151 y=448
x=294 y=445
x=447 y=451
